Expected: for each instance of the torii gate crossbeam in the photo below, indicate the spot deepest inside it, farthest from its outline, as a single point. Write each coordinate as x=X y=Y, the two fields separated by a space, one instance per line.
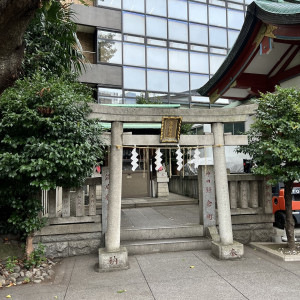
x=112 y=256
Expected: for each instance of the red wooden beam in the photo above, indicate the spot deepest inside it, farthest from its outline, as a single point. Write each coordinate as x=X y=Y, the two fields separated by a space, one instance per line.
x=287 y=74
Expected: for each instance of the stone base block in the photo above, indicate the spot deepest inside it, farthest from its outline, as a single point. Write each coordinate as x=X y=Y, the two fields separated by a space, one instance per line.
x=111 y=261
x=233 y=251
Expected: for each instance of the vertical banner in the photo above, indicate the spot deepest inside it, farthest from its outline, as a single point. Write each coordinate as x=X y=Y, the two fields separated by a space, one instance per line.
x=105 y=197
x=207 y=196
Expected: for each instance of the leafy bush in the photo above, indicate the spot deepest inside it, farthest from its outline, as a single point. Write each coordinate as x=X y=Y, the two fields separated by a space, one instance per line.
x=46 y=140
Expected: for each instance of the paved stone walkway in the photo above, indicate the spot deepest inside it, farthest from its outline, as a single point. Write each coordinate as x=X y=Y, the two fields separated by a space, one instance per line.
x=163 y=276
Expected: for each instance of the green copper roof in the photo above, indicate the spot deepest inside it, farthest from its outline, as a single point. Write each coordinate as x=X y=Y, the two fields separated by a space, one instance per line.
x=145 y=105
x=279 y=6
x=135 y=125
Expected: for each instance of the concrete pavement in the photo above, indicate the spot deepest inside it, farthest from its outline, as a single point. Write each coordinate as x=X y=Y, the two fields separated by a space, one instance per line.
x=178 y=275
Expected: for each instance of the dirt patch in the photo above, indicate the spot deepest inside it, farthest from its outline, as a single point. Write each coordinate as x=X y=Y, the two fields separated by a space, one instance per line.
x=278 y=250
x=283 y=249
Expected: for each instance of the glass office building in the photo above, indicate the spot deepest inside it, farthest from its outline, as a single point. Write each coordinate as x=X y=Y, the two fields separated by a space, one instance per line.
x=167 y=48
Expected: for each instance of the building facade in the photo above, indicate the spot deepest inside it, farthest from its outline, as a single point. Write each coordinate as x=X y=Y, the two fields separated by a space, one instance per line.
x=165 y=49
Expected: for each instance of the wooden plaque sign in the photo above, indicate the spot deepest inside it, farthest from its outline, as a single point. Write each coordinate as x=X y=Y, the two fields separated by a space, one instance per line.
x=170 y=129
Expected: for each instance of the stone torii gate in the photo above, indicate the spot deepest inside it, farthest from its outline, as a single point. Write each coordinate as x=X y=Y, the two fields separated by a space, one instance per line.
x=115 y=257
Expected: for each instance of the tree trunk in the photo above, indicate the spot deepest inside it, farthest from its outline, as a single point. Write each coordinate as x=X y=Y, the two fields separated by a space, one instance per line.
x=14 y=19
x=289 y=224
x=29 y=245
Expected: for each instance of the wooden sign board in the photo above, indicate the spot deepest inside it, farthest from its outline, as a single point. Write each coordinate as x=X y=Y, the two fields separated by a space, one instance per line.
x=170 y=129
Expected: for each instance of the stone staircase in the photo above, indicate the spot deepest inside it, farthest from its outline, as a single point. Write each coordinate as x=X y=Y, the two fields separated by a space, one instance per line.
x=164 y=239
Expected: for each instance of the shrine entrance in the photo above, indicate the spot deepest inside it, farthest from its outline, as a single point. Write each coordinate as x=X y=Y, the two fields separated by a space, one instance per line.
x=217 y=140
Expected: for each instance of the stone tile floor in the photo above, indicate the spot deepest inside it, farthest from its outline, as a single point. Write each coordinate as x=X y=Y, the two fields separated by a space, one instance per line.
x=177 y=275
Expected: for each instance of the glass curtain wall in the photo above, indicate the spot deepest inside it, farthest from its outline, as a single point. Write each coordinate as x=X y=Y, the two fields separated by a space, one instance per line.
x=168 y=48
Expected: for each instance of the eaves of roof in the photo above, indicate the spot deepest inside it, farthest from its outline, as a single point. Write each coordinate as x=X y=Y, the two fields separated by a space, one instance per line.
x=269 y=12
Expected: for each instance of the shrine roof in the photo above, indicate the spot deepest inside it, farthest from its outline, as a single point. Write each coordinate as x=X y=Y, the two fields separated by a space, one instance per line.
x=247 y=70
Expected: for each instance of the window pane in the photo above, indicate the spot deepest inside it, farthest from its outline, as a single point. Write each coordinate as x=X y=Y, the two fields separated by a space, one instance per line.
x=217 y=2
x=109 y=92
x=178 y=31
x=198 y=81
x=134 y=54
x=109 y=100
x=198 y=12
x=133 y=23
x=232 y=36
x=110 y=3
x=130 y=100
x=156 y=7
x=178 y=60
x=218 y=51
x=109 y=35
x=157 y=27
x=180 y=99
x=177 y=9
x=235 y=19
x=132 y=94
x=157 y=42
x=134 y=5
x=199 y=62
x=158 y=97
x=157 y=57
x=179 y=82
x=198 y=48
x=157 y=80
x=134 y=78
x=215 y=62
x=200 y=99
x=178 y=45
x=217 y=16
x=217 y=37
x=239 y=128
x=110 y=52
x=134 y=39
x=198 y=34
x=236 y=6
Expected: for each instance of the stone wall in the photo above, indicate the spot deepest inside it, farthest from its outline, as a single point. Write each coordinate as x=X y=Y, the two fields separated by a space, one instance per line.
x=186 y=186
x=63 y=240
x=247 y=233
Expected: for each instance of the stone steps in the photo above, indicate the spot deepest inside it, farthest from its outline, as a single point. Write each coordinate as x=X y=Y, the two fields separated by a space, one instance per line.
x=164 y=239
x=161 y=232
x=132 y=203
x=166 y=245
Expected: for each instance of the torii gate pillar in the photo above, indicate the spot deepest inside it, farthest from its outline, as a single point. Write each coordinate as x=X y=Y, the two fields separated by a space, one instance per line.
x=227 y=248
x=114 y=257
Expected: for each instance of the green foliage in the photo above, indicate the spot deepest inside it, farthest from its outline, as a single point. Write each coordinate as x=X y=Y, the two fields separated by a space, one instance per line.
x=37 y=257
x=11 y=263
x=274 y=138
x=25 y=217
x=186 y=128
x=51 y=42
x=145 y=99
x=46 y=141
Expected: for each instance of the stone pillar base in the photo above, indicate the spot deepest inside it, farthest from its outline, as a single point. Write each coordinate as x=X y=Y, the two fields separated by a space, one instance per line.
x=113 y=261
x=233 y=251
